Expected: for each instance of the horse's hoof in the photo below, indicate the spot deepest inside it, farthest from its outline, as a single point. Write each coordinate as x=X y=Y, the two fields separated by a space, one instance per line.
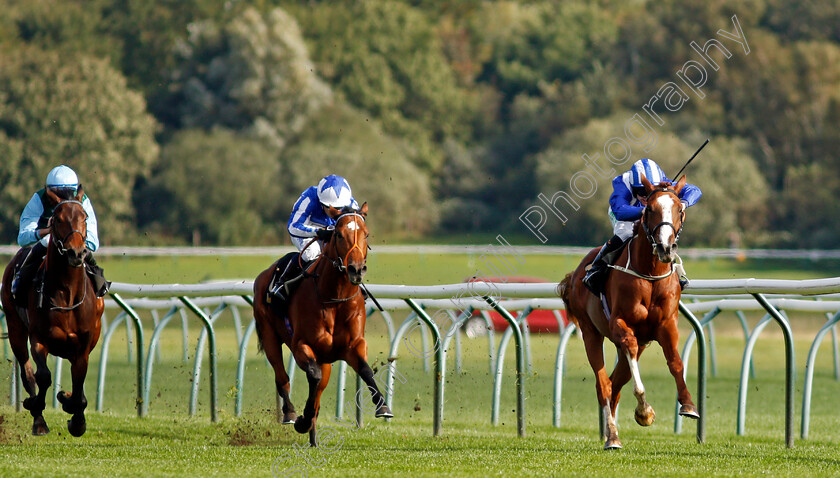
x=77 y=425
x=384 y=412
x=303 y=424
x=289 y=418
x=689 y=411
x=64 y=400
x=645 y=417
x=612 y=444
x=39 y=427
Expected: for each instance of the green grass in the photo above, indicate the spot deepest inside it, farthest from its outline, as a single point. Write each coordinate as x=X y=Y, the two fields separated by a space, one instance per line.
x=169 y=442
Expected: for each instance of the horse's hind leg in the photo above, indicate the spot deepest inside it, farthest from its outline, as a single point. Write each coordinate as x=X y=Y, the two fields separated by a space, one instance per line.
x=18 y=339
x=273 y=349
x=43 y=378
x=594 y=345
x=356 y=358
x=76 y=402
x=667 y=338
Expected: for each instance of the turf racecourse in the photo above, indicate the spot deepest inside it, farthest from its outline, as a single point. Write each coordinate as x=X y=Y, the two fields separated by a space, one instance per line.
x=169 y=442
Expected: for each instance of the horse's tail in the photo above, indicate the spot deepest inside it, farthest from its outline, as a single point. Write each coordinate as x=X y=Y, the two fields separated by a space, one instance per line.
x=564 y=290
x=259 y=341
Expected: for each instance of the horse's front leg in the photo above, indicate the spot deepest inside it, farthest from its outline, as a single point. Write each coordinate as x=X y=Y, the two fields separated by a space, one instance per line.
x=75 y=402
x=668 y=336
x=43 y=378
x=305 y=358
x=356 y=357
x=325 y=379
x=630 y=350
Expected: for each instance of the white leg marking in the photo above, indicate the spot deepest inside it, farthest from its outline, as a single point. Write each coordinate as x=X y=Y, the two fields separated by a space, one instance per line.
x=638 y=386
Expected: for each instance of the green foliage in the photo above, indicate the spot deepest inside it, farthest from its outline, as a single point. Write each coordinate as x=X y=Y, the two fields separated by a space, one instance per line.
x=219 y=185
x=733 y=208
x=75 y=110
x=343 y=141
x=810 y=219
x=542 y=41
x=252 y=74
x=386 y=59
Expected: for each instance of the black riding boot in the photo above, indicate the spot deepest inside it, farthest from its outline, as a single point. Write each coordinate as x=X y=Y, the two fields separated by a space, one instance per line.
x=26 y=270
x=97 y=275
x=594 y=278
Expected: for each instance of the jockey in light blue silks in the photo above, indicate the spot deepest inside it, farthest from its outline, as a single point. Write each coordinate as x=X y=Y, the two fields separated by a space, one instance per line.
x=626 y=205
x=35 y=229
x=311 y=224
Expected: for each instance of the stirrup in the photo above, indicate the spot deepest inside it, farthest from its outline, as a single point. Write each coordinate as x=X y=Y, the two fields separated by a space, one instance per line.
x=15 y=286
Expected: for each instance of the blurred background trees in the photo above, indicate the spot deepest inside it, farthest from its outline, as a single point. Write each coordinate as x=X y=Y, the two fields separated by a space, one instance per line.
x=196 y=119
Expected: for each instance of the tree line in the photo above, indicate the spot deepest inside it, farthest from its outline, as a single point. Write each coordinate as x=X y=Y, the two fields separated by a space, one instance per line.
x=195 y=119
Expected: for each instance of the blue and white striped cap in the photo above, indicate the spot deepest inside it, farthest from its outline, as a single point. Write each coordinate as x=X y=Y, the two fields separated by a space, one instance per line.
x=649 y=168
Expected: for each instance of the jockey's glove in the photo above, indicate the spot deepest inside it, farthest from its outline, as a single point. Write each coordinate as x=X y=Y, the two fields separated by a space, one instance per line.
x=324 y=234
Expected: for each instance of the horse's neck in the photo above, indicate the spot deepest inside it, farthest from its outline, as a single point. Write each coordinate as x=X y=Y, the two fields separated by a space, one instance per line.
x=58 y=271
x=332 y=283
x=643 y=258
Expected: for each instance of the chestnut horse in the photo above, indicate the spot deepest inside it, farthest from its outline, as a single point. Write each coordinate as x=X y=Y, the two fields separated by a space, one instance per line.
x=641 y=299
x=327 y=318
x=67 y=322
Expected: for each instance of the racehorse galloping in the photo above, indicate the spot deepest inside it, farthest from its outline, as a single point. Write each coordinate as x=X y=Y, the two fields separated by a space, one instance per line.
x=327 y=319
x=67 y=321
x=642 y=299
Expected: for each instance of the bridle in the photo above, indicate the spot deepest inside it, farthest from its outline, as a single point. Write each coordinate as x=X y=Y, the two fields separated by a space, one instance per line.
x=651 y=233
x=62 y=250
x=341 y=262
x=59 y=242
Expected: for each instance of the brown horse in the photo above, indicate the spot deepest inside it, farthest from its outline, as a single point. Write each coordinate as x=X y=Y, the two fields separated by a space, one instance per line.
x=66 y=324
x=642 y=297
x=327 y=318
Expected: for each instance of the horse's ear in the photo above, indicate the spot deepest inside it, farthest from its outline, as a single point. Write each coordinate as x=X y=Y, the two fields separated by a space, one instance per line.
x=52 y=198
x=80 y=193
x=648 y=186
x=364 y=209
x=680 y=184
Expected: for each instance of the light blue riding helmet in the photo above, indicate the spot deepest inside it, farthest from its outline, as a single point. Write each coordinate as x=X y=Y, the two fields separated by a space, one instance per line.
x=649 y=168
x=334 y=191
x=62 y=177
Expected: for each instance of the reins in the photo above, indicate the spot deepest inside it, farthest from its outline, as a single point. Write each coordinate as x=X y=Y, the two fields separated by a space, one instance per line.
x=62 y=251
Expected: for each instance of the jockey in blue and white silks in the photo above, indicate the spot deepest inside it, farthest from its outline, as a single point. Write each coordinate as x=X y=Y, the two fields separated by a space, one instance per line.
x=316 y=209
x=626 y=205
x=310 y=225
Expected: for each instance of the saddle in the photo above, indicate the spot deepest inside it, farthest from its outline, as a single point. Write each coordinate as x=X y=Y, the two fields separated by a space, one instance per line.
x=283 y=282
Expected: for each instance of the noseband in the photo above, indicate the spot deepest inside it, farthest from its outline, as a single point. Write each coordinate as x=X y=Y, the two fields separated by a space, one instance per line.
x=650 y=233
x=60 y=242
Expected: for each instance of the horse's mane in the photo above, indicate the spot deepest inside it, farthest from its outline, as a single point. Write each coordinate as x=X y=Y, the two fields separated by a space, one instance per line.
x=65 y=194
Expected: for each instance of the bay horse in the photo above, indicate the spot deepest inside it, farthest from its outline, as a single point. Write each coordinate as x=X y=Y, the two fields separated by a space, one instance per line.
x=641 y=300
x=326 y=317
x=67 y=322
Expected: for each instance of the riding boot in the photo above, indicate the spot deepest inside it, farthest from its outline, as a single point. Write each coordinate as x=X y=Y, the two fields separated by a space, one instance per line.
x=595 y=275
x=26 y=270
x=97 y=275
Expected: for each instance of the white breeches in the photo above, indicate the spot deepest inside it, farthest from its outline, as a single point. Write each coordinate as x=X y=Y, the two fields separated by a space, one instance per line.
x=312 y=252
